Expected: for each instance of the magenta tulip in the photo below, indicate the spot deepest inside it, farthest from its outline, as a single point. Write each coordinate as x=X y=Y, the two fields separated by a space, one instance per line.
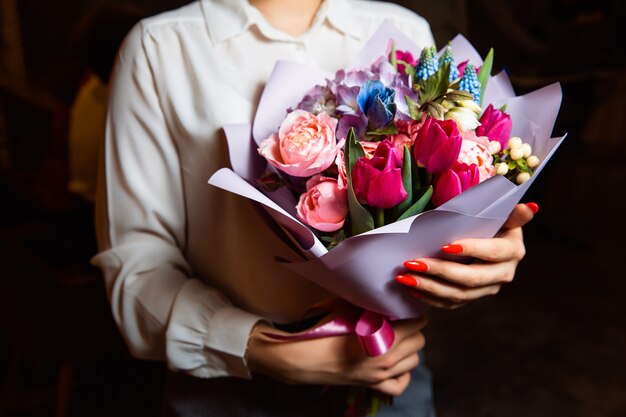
x=437 y=145
x=496 y=125
x=454 y=181
x=377 y=182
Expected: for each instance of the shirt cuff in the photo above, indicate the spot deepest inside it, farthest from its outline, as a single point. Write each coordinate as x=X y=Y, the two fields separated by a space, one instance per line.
x=207 y=337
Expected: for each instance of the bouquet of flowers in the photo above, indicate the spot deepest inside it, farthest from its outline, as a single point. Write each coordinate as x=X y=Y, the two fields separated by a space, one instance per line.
x=415 y=137
x=389 y=160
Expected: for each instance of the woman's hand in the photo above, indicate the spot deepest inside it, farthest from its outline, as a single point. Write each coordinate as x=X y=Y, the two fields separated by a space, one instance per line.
x=338 y=360
x=448 y=284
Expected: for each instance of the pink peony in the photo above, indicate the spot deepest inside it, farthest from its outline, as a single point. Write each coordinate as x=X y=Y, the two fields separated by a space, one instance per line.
x=407 y=132
x=323 y=206
x=369 y=148
x=305 y=144
x=454 y=181
x=475 y=150
x=378 y=181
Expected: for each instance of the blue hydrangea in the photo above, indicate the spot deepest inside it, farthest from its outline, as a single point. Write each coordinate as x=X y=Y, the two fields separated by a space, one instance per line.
x=428 y=64
x=448 y=58
x=469 y=82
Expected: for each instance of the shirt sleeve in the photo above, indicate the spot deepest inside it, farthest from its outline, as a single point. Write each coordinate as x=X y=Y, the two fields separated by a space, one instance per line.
x=163 y=312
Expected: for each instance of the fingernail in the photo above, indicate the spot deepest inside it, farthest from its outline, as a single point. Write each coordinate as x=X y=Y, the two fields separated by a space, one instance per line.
x=452 y=248
x=534 y=207
x=416 y=266
x=407 y=280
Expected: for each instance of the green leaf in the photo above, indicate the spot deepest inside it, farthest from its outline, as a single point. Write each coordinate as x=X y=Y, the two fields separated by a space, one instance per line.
x=503 y=108
x=458 y=95
x=407 y=183
x=393 y=58
x=360 y=219
x=485 y=72
x=419 y=205
x=435 y=109
x=435 y=85
x=390 y=129
x=414 y=108
x=512 y=165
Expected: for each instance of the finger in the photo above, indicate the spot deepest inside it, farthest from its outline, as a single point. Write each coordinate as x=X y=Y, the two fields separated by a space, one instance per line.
x=453 y=293
x=521 y=214
x=401 y=349
x=405 y=365
x=434 y=301
x=408 y=328
x=474 y=275
x=393 y=386
x=509 y=245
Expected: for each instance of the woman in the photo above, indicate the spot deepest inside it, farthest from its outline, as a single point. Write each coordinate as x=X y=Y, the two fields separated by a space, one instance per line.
x=190 y=269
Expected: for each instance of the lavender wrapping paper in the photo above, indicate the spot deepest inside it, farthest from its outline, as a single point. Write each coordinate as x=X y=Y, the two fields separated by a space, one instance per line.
x=362 y=268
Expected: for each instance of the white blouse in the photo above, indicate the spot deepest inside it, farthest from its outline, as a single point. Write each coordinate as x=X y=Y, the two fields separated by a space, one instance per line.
x=190 y=269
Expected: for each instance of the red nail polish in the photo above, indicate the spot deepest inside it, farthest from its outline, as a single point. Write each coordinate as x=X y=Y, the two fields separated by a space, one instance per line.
x=416 y=266
x=452 y=248
x=407 y=280
x=534 y=207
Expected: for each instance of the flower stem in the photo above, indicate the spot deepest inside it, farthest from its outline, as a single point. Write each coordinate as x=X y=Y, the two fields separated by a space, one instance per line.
x=380 y=217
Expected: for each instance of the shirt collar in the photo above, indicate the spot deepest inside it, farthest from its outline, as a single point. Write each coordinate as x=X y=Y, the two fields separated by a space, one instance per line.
x=228 y=18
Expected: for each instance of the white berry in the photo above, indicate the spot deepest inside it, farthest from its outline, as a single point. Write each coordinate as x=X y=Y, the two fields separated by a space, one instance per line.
x=522 y=177
x=532 y=161
x=515 y=142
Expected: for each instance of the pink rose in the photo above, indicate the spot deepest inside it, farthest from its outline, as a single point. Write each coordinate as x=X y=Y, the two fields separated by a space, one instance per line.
x=475 y=150
x=305 y=144
x=323 y=206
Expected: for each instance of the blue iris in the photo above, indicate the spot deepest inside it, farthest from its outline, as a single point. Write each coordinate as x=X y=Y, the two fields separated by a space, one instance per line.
x=377 y=103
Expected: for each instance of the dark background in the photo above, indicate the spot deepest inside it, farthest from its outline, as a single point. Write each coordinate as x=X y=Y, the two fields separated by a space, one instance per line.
x=552 y=343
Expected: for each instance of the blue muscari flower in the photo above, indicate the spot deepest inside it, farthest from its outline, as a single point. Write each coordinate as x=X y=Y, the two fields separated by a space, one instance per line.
x=469 y=82
x=447 y=57
x=428 y=64
x=377 y=103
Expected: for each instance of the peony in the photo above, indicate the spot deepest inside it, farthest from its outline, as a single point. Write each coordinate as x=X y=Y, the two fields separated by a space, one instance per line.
x=407 y=132
x=377 y=182
x=305 y=144
x=476 y=150
x=324 y=206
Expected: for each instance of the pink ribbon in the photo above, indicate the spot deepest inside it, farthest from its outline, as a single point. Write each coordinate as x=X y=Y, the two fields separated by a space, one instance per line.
x=374 y=332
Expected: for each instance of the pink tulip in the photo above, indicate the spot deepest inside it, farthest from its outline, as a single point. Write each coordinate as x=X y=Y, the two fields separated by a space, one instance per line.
x=496 y=125
x=405 y=56
x=377 y=182
x=305 y=144
x=323 y=206
x=454 y=181
x=437 y=145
